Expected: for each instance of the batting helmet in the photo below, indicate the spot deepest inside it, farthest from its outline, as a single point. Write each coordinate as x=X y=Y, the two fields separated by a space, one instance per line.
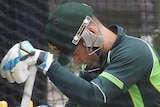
x=62 y=26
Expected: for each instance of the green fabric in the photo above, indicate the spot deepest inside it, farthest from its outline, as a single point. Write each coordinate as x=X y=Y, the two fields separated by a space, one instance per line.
x=136 y=96
x=83 y=67
x=113 y=79
x=155 y=73
x=62 y=26
x=77 y=89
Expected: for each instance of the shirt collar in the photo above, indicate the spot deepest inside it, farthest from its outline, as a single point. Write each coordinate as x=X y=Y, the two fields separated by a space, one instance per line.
x=119 y=31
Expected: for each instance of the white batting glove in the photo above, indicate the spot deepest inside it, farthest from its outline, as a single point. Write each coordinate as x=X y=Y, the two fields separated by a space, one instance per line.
x=20 y=57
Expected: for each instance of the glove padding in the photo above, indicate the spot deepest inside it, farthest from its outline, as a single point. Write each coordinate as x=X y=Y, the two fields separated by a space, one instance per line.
x=20 y=57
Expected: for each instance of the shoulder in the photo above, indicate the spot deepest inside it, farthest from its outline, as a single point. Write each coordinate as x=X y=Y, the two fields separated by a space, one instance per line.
x=132 y=45
x=131 y=49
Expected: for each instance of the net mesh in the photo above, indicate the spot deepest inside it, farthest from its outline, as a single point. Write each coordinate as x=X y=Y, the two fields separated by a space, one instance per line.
x=25 y=19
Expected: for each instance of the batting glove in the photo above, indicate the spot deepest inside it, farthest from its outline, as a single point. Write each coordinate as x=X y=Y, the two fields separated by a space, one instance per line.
x=20 y=57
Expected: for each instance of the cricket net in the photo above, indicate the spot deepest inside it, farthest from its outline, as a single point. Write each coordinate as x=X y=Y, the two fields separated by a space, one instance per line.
x=25 y=19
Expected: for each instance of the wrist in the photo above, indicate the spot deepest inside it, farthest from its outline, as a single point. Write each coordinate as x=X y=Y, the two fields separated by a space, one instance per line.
x=44 y=61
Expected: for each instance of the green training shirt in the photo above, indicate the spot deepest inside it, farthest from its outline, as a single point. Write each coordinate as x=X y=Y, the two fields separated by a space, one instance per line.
x=130 y=77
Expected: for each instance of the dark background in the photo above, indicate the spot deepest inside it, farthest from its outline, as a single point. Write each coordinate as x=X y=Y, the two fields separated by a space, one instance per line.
x=25 y=19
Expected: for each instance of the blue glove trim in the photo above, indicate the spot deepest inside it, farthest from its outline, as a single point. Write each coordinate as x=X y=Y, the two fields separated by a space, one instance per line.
x=11 y=64
x=43 y=65
x=44 y=60
x=26 y=49
x=26 y=46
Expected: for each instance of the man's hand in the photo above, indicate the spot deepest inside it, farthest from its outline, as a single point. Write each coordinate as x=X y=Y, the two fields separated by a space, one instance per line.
x=20 y=57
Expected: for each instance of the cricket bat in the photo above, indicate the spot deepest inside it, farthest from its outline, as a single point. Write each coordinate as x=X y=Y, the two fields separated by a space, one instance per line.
x=28 y=88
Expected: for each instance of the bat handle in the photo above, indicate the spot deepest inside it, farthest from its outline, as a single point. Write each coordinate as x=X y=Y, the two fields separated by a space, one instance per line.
x=28 y=88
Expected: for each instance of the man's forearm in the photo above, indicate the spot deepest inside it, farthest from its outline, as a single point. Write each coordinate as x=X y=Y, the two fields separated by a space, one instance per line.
x=74 y=87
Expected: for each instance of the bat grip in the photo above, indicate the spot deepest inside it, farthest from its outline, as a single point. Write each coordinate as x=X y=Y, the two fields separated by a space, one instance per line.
x=28 y=88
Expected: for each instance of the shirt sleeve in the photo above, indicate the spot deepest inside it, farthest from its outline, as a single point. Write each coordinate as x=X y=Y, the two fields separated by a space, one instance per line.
x=75 y=88
x=128 y=65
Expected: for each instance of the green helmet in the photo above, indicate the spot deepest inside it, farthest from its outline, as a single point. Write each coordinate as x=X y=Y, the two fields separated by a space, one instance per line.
x=62 y=26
